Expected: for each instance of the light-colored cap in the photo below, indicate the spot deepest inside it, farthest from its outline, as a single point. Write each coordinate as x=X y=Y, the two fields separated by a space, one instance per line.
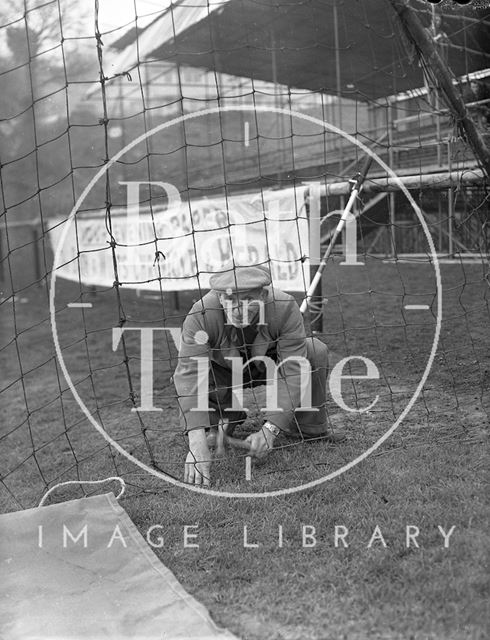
x=241 y=279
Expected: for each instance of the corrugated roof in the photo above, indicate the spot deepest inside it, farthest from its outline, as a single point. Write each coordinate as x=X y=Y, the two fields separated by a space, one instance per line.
x=295 y=43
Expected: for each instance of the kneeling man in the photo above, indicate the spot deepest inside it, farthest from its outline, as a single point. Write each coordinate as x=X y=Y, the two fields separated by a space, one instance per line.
x=244 y=333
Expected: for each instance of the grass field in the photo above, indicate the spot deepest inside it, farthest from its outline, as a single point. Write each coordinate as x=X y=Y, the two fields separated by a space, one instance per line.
x=430 y=473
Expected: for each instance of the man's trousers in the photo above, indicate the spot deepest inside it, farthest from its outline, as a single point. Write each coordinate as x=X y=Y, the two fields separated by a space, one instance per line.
x=303 y=423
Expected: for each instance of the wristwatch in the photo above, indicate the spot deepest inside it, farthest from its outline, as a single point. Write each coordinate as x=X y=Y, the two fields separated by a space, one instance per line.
x=272 y=428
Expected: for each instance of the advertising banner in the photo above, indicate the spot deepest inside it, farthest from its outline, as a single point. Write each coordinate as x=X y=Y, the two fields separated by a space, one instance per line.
x=179 y=247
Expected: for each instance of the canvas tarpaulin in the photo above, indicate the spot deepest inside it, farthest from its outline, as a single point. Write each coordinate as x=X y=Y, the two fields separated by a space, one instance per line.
x=107 y=585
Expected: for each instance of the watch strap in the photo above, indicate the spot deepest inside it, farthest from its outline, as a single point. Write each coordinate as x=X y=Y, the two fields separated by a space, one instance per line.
x=272 y=428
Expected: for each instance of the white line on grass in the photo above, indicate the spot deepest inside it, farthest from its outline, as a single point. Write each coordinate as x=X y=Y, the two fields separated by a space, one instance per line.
x=248 y=468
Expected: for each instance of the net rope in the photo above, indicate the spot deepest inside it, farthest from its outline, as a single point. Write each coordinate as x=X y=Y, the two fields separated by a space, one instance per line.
x=68 y=106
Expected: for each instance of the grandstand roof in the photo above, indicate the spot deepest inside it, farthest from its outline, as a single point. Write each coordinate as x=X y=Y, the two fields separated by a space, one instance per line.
x=294 y=43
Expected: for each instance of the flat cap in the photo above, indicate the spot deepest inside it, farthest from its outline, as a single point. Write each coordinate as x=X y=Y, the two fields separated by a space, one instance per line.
x=240 y=279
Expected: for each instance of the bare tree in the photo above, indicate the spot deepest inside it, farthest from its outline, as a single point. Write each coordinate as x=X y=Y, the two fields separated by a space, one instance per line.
x=30 y=28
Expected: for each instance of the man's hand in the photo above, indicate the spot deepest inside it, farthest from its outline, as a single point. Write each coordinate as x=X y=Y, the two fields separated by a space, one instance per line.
x=197 y=468
x=261 y=443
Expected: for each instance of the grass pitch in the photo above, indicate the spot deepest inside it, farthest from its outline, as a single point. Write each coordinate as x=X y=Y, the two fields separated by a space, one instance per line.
x=271 y=567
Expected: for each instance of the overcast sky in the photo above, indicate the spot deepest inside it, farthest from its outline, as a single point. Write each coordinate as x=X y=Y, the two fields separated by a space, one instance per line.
x=116 y=13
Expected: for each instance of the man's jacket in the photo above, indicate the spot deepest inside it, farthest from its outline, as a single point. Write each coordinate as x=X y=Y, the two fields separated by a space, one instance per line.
x=282 y=330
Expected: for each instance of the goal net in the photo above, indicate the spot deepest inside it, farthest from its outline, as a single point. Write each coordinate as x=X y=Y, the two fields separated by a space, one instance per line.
x=147 y=146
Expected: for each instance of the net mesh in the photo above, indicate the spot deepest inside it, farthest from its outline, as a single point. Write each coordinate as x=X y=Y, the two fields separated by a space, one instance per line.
x=234 y=162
